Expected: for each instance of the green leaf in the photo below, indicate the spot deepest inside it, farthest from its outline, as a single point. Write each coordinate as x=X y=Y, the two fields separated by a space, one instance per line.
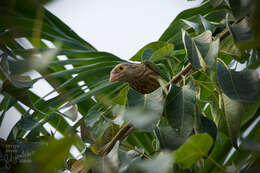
x=191 y=151
x=129 y=159
x=21 y=94
x=241 y=31
x=55 y=161
x=169 y=138
x=71 y=112
x=254 y=23
x=164 y=159
x=229 y=48
x=121 y=98
x=93 y=115
x=218 y=117
x=84 y=96
x=27 y=123
x=201 y=50
x=216 y=3
x=206 y=125
x=175 y=27
x=233 y=111
x=154 y=46
x=147 y=53
x=166 y=50
x=6 y=103
x=240 y=86
x=144 y=140
x=180 y=107
x=206 y=24
x=145 y=115
x=199 y=24
x=197 y=27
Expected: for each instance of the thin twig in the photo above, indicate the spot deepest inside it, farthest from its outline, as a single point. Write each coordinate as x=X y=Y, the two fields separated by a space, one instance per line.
x=183 y=72
x=118 y=137
x=131 y=148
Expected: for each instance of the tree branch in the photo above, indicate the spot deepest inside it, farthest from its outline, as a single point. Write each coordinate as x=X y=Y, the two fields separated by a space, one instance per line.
x=119 y=136
x=128 y=128
x=183 y=72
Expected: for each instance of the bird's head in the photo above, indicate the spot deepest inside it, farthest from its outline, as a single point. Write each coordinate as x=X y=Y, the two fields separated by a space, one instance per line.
x=124 y=72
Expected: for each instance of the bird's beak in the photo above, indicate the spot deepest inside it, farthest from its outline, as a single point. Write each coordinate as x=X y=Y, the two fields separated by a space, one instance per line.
x=114 y=77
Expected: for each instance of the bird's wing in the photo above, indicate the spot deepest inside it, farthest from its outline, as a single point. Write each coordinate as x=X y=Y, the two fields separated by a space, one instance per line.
x=156 y=69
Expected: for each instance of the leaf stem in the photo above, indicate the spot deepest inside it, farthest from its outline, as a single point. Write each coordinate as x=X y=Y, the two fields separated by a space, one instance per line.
x=132 y=148
x=216 y=163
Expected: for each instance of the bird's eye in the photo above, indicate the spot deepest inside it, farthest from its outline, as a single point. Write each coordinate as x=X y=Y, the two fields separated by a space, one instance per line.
x=120 y=68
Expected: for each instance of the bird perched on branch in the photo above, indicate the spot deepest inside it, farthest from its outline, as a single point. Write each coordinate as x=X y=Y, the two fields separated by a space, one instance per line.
x=144 y=77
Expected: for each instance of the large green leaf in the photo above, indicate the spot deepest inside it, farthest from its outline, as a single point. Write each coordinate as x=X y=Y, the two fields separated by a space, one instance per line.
x=154 y=49
x=241 y=33
x=233 y=111
x=175 y=27
x=190 y=152
x=145 y=115
x=169 y=138
x=199 y=24
x=240 y=86
x=52 y=27
x=52 y=162
x=143 y=140
x=180 y=107
x=229 y=48
x=201 y=50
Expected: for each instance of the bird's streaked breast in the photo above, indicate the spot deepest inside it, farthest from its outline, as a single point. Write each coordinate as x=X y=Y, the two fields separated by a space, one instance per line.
x=146 y=81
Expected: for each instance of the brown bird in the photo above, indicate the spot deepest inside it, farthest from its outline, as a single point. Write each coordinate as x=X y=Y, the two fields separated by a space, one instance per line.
x=144 y=77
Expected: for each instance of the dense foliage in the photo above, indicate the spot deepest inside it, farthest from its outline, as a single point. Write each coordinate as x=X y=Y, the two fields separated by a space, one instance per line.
x=207 y=121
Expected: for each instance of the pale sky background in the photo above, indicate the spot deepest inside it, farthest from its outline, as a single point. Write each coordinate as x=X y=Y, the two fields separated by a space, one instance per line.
x=121 y=27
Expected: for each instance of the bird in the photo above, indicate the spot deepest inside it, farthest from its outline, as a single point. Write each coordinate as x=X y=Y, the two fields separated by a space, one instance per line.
x=144 y=77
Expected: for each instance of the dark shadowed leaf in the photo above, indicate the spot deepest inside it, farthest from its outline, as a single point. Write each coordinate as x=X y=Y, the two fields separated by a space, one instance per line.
x=180 y=107
x=21 y=94
x=134 y=98
x=206 y=125
x=7 y=102
x=145 y=115
x=169 y=138
x=241 y=33
x=254 y=22
x=233 y=112
x=218 y=117
x=239 y=86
